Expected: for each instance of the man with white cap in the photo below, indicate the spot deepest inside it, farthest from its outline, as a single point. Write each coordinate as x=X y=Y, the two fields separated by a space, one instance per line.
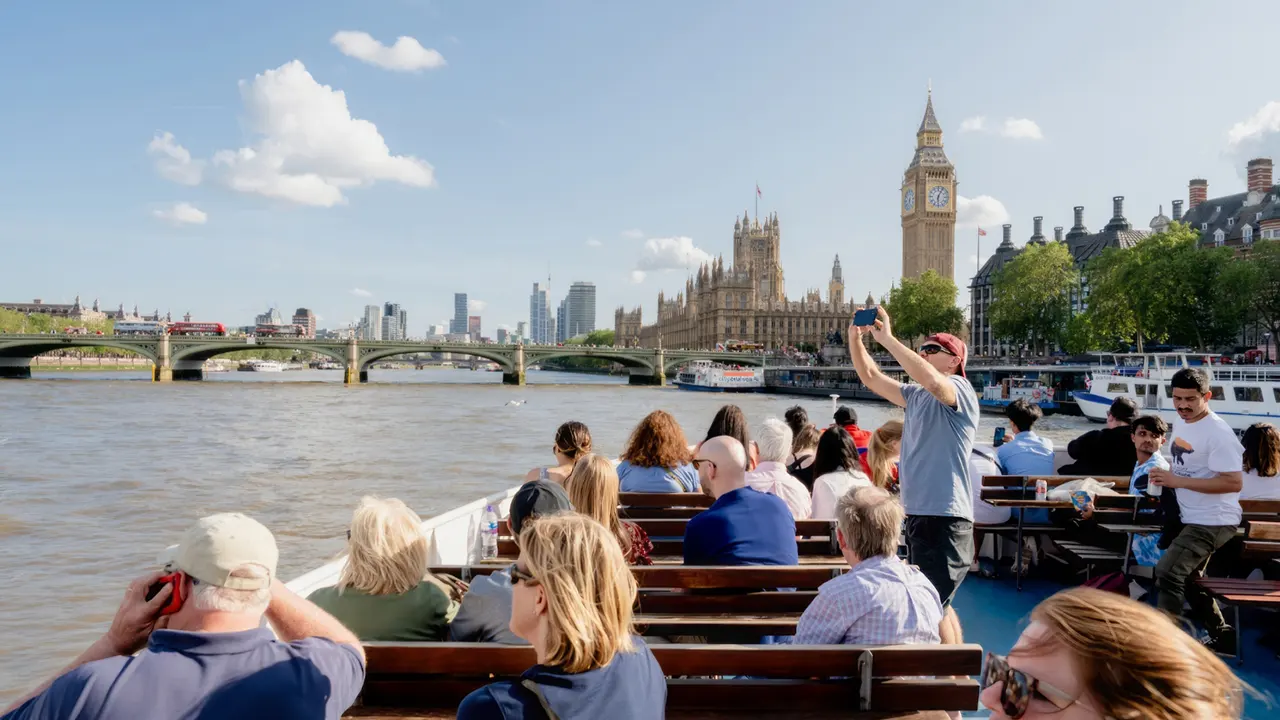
x=202 y=650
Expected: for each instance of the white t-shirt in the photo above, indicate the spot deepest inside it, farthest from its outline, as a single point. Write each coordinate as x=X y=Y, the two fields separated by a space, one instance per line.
x=1203 y=449
x=830 y=488
x=1257 y=487
x=985 y=513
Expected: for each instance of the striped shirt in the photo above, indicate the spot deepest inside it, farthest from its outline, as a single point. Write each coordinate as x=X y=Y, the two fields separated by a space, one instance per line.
x=880 y=601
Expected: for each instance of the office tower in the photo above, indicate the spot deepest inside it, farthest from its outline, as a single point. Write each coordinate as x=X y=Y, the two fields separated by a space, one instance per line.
x=458 y=325
x=522 y=328
x=270 y=317
x=503 y=336
x=561 y=321
x=539 y=316
x=391 y=328
x=372 y=323
x=307 y=320
x=580 y=312
x=403 y=317
x=473 y=327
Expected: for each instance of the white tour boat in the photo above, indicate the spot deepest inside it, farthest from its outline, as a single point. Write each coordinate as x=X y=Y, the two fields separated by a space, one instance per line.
x=1242 y=394
x=263 y=366
x=1018 y=388
x=706 y=376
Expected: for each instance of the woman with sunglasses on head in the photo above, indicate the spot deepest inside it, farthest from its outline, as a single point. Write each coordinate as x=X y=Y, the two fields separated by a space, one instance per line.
x=1089 y=654
x=571 y=599
x=573 y=440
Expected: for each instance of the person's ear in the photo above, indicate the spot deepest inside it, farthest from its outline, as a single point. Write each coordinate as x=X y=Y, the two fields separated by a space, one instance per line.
x=840 y=539
x=540 y=599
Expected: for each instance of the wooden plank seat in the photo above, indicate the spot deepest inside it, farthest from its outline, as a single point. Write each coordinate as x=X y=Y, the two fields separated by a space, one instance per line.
x=664 y=500
x=817 y=537
x=826 y=681
x=1259 y=540
x=698 y=577
x=1261 y=510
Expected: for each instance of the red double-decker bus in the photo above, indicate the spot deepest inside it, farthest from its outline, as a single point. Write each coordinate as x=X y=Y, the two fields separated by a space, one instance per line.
x=284 y=331
x=197 y=328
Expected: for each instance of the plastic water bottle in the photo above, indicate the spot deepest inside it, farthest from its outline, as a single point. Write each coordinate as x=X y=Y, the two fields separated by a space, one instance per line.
x=1042 y=489
x=489 y=533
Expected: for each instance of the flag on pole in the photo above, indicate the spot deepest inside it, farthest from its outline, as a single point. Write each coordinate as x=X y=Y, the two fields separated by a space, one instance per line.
x=982 y=233
x=758 y=193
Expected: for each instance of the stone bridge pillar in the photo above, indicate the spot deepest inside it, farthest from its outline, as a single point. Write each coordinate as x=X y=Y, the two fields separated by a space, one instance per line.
x=517 y=376
x=163 y=371
x=640 y=376
x=352 y=373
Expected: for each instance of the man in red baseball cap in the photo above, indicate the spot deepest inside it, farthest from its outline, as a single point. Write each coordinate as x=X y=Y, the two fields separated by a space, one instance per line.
x=937 y=437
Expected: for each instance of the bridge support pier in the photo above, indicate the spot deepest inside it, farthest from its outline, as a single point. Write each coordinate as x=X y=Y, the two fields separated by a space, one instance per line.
x=648 y=379
x=516 y=376
x=352 y=374
x=163 y=369
x=15 y=372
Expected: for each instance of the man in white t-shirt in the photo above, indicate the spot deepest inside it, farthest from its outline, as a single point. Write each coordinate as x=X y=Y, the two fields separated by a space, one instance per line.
x=1206 y=479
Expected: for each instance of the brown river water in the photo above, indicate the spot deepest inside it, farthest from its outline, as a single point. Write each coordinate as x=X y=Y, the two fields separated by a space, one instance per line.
x=100 y=471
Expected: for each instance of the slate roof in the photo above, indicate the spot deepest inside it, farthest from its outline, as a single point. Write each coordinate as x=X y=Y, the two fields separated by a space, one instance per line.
x=1083 y=248
x=1231 y=213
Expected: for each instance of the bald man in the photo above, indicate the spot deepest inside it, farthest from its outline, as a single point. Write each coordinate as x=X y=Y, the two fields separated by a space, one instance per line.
x=743 y=526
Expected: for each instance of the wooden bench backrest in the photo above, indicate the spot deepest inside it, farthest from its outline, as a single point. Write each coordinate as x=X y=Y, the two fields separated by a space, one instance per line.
x=664 y=500
x=691 y=577
x=818 y=537
x=1262 y=538
x=838 y=678
x=1262 y=510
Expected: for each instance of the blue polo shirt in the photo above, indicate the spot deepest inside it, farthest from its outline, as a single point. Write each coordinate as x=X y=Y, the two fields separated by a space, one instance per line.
x=243 y=675
x=742 y=527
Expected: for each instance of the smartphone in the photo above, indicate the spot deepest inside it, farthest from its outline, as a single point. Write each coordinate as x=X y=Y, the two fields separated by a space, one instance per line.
x=866 y=316
x=998 y=440
x=176 y=599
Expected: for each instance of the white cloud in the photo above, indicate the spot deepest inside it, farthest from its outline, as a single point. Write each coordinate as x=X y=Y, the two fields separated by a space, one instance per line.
x=311 y=149
x=407 y=55
x=1022 y=129
x=973 y=124
x=637 y=277
x=1256 y=136
x=670 y=253
x=182 y=214
x=592 y=242
x=983 y=211
x=173 y=161
x=973 y=259
x=358 y=292
x=634 y=234
x=475 y=307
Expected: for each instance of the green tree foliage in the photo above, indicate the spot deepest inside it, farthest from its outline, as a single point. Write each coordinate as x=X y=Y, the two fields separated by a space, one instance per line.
x=595 y=337
x=1264 y=285
x=37 y=323
x=923 y=306
x=1032 y=300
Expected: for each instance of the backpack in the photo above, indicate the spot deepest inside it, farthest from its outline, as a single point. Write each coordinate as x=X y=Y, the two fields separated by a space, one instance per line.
x=1114 y=582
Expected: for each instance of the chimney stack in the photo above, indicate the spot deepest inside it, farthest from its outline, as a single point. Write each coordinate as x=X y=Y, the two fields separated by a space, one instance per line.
x=1260 y=175
x=1197 y=192
x=1078 y=229
x=1177 y=210
x=1038 y=221
x=1117 y=207
x=1057 y=234
x=1008 y=236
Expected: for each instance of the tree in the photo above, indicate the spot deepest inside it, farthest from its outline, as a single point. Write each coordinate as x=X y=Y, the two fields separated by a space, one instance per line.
x=1032 y=299
x=924 y=306
x=1264 y=260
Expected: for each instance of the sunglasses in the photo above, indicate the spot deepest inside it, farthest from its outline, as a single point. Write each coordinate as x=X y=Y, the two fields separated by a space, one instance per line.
x=699 y=462
x=934 y=350
x=1020 y=689
x=520 y=576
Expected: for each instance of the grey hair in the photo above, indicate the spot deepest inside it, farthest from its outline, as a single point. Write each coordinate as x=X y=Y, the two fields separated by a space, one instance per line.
x=774 y=441
x=232 y=600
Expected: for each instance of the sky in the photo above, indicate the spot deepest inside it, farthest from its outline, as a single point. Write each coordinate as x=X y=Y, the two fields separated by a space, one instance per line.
x=223 y=158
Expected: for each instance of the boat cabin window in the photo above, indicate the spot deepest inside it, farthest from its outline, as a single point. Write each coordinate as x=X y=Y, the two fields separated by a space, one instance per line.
x=1168 y=391
x=1248 y=394
x=1142 y=389
x=1118 y=387
x=1217 y=392
x=1276 y=390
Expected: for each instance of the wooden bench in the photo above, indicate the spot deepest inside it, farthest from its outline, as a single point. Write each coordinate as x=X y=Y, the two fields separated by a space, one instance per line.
x=786 y=680
x=1261 y=540
x=817 y=537
x=662 y=505
x=1119 y=511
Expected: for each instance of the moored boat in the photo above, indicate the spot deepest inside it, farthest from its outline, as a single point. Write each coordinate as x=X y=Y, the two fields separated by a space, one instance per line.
x=706 y=376
x=1019 y=388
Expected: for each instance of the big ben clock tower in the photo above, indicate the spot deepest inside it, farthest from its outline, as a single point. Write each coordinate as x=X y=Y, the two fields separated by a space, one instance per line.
x=929 y=204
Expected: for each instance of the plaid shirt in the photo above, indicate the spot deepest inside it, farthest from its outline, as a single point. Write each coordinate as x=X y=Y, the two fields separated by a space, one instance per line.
x=880 y=601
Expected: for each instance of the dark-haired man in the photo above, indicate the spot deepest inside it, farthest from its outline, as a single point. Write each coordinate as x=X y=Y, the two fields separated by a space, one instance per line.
x=1026 y=453
x=1206 y=473
x=1108 y=451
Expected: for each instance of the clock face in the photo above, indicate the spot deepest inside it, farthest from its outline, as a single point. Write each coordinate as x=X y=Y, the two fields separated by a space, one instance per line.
x=909 y=200
x=938 y=196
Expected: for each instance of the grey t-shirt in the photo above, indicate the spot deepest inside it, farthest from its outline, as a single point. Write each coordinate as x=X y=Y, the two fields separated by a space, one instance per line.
x=936 y=440
x=485 y=615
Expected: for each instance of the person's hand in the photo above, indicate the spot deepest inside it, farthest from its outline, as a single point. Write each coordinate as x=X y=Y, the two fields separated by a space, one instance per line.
x=881 y=330
x=136 y=617
x=1163 y=478
x=1087 y=512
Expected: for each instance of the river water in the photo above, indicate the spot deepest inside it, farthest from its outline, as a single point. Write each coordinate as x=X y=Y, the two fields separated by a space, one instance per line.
x=101 y=471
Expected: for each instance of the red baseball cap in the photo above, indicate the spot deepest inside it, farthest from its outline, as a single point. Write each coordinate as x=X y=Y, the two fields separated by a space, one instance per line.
x=953 y=345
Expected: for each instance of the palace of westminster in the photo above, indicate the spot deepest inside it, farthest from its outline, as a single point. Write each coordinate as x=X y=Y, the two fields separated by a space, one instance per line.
x=747 y=302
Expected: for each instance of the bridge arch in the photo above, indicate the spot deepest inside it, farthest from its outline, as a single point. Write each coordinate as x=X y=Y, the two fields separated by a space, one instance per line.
x=17 y=352
x=626 y=360
x=369 y=356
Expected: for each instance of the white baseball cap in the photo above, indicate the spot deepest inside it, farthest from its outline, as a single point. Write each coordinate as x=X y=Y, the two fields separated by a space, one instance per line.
x=218 y=544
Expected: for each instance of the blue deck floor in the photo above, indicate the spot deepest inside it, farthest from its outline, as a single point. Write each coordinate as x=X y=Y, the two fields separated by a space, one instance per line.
x=993 y=613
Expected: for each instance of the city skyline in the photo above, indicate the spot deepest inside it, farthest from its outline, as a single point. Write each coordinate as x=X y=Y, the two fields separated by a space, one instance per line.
x=140 y=143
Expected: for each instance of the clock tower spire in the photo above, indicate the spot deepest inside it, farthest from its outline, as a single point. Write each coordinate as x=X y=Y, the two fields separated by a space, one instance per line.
x=929 y=203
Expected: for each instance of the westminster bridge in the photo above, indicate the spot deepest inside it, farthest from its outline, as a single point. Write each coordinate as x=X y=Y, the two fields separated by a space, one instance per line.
x=182 y=357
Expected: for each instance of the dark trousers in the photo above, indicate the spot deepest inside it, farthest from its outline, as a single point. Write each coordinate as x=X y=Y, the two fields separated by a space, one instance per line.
x=942 y=547
x=1185 y=560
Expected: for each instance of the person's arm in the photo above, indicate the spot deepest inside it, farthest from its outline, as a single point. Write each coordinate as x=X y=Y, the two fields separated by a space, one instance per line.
x=824 y=500
x=1085 y=446
x=916 y=367
x=1220 y=483
x=869 y=372
x=824 y=622
x=295 y=618
x=130 y=628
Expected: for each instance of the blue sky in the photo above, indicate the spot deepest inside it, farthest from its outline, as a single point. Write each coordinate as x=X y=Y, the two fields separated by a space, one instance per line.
x=588 y=138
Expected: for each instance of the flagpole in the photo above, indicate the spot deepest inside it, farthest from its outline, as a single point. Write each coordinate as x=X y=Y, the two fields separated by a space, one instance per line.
x=757 y=201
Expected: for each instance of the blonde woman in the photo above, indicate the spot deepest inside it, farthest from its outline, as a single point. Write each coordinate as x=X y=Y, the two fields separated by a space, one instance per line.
x=572 y=600
x=1094 y=654
x=593 y=490
x=384 y=591
x=882 y=455
x=572 y=441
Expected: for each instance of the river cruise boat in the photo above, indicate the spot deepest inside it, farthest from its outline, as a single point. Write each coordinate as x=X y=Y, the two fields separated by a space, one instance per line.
x=1010 y=389
x=262 y=366
x=706 y=376
x=1242 y=394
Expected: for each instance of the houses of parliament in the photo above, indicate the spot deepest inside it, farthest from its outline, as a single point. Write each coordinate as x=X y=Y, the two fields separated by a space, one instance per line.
x=746 y=301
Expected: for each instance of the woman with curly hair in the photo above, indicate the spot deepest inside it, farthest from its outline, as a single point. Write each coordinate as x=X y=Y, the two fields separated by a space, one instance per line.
x=657 y=457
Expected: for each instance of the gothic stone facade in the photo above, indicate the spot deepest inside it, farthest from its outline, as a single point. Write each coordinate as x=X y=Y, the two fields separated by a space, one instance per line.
x=929 y=204
x=744 y=302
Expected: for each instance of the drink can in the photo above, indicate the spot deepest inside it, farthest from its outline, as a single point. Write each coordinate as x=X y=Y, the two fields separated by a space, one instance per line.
x=1153 y=489
x=1042 y=489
